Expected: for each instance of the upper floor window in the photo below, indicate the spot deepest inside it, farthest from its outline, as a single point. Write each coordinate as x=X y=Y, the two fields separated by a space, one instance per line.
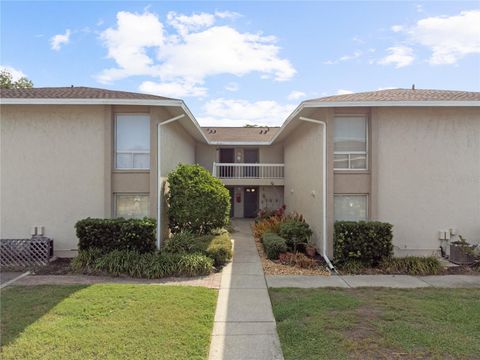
x=132 y=141
x=350 y=142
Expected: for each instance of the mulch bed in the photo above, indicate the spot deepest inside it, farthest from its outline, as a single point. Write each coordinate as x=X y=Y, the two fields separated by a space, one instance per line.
x=271 y=267
x=59 y=266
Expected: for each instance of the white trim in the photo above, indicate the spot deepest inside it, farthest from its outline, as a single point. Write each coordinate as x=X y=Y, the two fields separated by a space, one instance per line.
x=239 y=143
x=50 y=101
x=324 y=187
x=389 y=103
x=172 y=119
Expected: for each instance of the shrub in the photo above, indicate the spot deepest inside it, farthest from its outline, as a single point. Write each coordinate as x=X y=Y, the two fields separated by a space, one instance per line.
x=295 y=232
x=267 y=225
x=217 y=247
x=369 y=242
x=198 y=202
x=274 y=245
x=413 y=265
x=268 y=213
x=352 y=266
x=183 y=242
x=85 y=260
x=297 y=259
x=116 y=234
x=146 y=265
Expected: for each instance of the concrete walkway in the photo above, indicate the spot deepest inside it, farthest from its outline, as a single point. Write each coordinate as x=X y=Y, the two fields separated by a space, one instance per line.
x=392 y=281
x=244 y=325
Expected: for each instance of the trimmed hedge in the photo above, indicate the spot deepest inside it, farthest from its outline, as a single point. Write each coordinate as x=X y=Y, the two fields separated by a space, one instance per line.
x=413 y=265
x=198 y=202
x=147 y=265
x=217 y=247
x=274 y=245
x=367 y=242
x=295 y=232
x=116 y=234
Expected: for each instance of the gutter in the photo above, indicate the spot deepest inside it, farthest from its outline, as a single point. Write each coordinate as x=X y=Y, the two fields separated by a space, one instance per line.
x=324 y=189
x=159 y=174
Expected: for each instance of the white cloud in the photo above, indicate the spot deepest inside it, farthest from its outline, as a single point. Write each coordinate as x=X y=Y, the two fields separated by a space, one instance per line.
x=400 y=56
x=16 y=73
x=172 y=89
x=397 y=28
x=353 y=56
x=238 y=112
x=295 y=95
x=58 y=40
x=232 y=86
x=344 y=92
x=196 y=49
x=128 y=43
x=450 y=38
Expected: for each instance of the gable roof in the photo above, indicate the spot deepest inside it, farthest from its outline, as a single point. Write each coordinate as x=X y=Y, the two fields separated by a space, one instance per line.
x=217 y=135
x=75 y=92
x=402 y=95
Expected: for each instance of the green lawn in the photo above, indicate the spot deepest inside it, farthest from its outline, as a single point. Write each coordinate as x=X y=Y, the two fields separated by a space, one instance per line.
x=106 y=322
x=373 y=323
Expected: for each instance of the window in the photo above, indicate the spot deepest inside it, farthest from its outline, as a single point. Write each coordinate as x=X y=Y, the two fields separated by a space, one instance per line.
x=132 y=141
x=351 y=207
x=131 y=205
x=350 y=142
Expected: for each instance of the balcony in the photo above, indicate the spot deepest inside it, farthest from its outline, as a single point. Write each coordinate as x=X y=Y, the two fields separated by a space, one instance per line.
x=249 y=174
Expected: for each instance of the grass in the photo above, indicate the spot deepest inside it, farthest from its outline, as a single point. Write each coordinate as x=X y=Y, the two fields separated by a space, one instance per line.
x=106 y=322
x=378 y=323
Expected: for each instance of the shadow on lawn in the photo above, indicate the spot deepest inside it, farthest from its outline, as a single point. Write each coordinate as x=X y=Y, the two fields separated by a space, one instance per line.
x=21 y=306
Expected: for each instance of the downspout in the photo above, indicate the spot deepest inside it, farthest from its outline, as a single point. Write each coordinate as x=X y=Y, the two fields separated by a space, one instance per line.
x=324 y=189
x=159 y=175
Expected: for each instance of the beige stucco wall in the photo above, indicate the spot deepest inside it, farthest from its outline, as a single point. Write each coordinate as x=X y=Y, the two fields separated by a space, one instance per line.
x=303 y=175
x=52 y=169
x=272 y=154
x=427 y=174
x=205 y=155
x=271 y=197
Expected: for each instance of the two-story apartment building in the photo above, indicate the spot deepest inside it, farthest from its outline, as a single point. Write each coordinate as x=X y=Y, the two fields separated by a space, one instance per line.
x=409 y=157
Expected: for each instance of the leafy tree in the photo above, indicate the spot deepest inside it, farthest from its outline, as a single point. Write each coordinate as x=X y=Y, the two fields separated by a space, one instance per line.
x=198 y=202
x=6 y=81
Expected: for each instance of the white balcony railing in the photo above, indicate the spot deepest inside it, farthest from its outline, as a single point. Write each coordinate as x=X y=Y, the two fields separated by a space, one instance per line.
x=247 y=171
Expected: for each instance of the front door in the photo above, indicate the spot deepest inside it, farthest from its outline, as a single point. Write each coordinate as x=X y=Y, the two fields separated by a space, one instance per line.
x=250 y=202
x=227 y=156
x=250 y=156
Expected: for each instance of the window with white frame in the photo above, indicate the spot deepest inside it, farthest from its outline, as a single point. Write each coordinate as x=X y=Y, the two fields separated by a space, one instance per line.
x=351 y=207
x=132 y=141
x=132 y=206
x=350 y=142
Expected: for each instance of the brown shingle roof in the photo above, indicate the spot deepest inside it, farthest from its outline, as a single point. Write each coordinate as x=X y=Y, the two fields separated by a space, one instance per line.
x=240 y=134
x=403 y=95
x=75 y=92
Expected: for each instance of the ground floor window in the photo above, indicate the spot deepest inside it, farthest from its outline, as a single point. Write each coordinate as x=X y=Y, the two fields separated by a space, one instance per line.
x=351 y=207
x=132 y=205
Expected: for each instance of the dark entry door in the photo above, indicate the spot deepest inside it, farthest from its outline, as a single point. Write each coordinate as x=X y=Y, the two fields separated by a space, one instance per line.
x=250 y=156
x=250 y=202
x=227 y=156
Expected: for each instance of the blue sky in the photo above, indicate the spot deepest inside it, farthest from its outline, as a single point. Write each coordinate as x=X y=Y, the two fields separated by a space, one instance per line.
x=243 y=62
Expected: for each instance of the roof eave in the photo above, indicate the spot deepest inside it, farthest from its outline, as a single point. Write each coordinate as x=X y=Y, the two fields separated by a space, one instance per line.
x=450 y=103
